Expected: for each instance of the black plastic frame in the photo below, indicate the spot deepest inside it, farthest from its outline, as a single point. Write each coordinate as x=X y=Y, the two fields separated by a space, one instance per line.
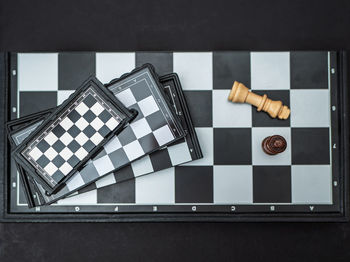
x=341 y=216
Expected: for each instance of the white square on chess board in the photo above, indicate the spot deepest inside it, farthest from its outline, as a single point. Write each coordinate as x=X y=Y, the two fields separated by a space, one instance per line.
x=75 y=182
x=228 y=114
x=156 y=188
x=259 y=157
x=270 y=70
x=103 y=165
x=113 y=65
x=310 y=108
x=312 y=184
x=87 y=198
x=179 y=153
x=105 y=181
x=112 y=145
x=126 y=97
x=142 y=166
x=63 y=95
x=37 y=72
x=195 y=70
x=233 y=184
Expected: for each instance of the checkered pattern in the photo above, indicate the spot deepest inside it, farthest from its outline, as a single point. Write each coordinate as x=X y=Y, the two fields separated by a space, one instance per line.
x=69 y=140
x=238 y=170
x=234 y=174
x=180 y=152
x=145 y=132
x=154 y=127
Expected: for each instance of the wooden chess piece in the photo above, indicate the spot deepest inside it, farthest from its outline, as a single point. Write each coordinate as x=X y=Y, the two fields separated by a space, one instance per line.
x=241 y=94
x=273 y=145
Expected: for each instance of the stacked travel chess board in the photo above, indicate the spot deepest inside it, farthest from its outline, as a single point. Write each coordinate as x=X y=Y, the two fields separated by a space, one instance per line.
x=234 y=176
x=179 y=152
x=71 y=135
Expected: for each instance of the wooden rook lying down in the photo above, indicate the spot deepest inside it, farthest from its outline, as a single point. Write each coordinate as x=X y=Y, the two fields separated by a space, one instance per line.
x=241 y=94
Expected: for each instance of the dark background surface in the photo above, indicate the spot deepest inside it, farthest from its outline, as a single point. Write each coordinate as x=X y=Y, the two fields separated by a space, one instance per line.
x=108 y=25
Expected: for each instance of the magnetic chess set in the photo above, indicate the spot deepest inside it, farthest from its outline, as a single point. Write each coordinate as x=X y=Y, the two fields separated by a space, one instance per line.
x=174 y=136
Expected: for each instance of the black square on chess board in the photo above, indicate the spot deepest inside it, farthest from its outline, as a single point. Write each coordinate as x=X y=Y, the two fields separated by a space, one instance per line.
x=200 y=100
x=309 y=70
x=232 y=146
x=193 y=184
x=310 y=146
x=74 y=68
x=33 y=102
x=162 y=61
x=230 y=65
x=272 y=184
x=123 y=192
x=75 y=131
x=261 y=119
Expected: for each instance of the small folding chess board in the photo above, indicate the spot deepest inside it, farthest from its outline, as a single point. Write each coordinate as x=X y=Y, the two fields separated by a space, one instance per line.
x=72 y=134
x=234 y=180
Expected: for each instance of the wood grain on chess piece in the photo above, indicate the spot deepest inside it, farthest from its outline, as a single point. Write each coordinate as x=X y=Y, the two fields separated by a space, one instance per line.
x=241 y=94
x=273 y=145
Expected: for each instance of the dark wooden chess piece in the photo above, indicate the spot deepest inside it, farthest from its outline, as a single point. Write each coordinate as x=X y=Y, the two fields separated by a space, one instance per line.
x=273 y=145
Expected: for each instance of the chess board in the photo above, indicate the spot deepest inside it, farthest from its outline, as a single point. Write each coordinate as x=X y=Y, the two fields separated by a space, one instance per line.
x=234 y=179
x=72 y=135
x=179 y=152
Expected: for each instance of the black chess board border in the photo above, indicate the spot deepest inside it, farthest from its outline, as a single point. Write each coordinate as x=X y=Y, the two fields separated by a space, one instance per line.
x=195 y=213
